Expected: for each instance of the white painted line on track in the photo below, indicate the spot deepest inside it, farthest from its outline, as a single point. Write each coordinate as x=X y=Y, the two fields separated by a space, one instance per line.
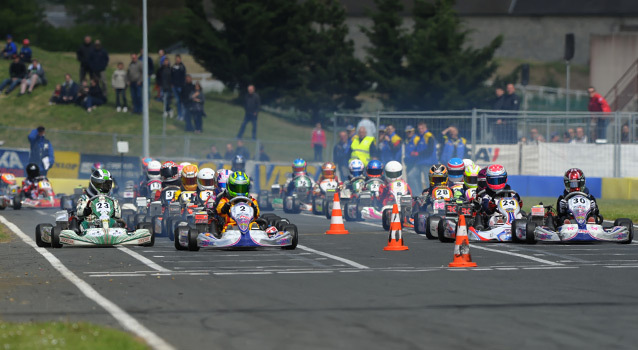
x=343 y=260
x=41 y=212
x=543 y=261
x=127 y=321
x=144 y=260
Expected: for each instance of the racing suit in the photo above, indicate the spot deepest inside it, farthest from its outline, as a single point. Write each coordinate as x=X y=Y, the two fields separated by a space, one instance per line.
x=317 y=190
x=223 y=209
x=30 y=186
x=165 y=184
x=488 y=203
x=83 y=209
x=385 y=193
x=563 y=211
x=289 y=186
x=429 y=196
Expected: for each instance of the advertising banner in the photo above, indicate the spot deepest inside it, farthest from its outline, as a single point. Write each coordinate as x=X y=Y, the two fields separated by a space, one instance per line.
x=66 y=166
x=122 y=168
x=13 y=161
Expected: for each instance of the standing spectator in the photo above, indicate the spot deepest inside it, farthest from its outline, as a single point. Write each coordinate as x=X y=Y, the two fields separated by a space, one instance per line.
x=160 y=63
x=318 y=140
x=341 y=154
x=499 y=93
x=411 y=155
x=95 y=96
x=25 y=51
x=383 y=145
x=69 y=90
x=241 y=150
x=41 y=150
x=580 y=136
x=17 y=71
x=56 y=97
x=10 y=48
x=178 y=78
x=230 y=154
x=507 y=125
x=371 y=128
x=35 y=75
x=83 y=54
x=134 y=78
x=98 y=61
x=118 y=82
x=196 y=110
x=422 y=156
x=395 y=142
x=252 y=103
x=263 y=157
x=213 y=154
x=187 y=90
x=163 y=79
x=363 y=147
x=598 y=104
x=351 y=131
x=453 y=145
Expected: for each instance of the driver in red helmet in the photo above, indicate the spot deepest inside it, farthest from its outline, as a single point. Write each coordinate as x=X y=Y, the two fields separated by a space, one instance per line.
x=574 y=180
x=496 y=180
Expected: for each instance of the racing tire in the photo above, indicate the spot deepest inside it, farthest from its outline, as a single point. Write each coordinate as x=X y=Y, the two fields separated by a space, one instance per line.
x=2 y=206
x=428 y=231
x=285 y=206
x=178 y=246
x=272 y=220
x=629 y=225
x=295 y=237
x=138 y=218
x=295 y=206
x=357 y=213
x=147 y=225
x=515 y=225
x=192 y=240
x=17 y=202
x=267 y=215
x=314 y=207
x=38 y=236
x=530 y=237
x=327 y=208
x=440 y=231
x=386 y=218
x=63 y=200
x=282 y=223
x=55 y=237
x=157 y=223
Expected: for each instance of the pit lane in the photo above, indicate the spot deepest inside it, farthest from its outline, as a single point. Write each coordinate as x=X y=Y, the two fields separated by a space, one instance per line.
x=576 y=295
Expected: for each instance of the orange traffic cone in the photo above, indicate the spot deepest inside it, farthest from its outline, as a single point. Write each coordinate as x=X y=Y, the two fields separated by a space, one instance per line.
x=395 y=241
x=336 y=221
x=462 y=257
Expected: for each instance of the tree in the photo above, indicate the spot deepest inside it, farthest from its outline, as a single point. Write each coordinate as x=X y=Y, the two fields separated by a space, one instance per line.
x=22 y=19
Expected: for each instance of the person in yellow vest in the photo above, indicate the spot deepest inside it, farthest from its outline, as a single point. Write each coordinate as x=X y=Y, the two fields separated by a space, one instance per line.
x=363 y=147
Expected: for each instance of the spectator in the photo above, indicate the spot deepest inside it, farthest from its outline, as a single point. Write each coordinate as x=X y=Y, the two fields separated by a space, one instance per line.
x=187 y=90
x=230 y=154
x=178 y=79
x=83 y=94
x=213 y=153
x=25 y=51
x=35 y=75
x=350 y=129
x=341 y=154
x=263 y=157
x=371 y=128
x=424 y=154
x=453 y=145
x=252 y=103
x=624 y=134
x=535 y=137
x=160 y=63
x=17 y=71
x=318 y=140
x=555 y=137
x=98 y=61
x=10 y=48
x=41 y=150
x=241 y=150
x=363 y=147
x=383 y=145
x=134 y=76
x=598 y=105
x=118 y=82
x=163 y=79
x=506 y=126
x=571 y=133
x=95 y=96
x=497 y=104
x=149 y=65
x=566 y=137
x=56 y=97
x=69 y=90
x=83 y=54
x=196 y=110
x=395 y=142
x=580 y=136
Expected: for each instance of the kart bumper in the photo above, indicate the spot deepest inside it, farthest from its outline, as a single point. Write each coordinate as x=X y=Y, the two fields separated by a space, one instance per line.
x=235 y=239
x=497 y=234
x=591 y=233
x=113 y=238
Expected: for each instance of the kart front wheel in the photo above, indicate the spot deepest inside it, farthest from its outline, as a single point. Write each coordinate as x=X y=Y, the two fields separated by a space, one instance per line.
x=17 y=202
x=385 y=219
x=38 y=235
x=530 y=236
x=629 y=225
x=440 y=230
x=192 y=240
x=515 y=227
x=55 y=237
x=295 y=237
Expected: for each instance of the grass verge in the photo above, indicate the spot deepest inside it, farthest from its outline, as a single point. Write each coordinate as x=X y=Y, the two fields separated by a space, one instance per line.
x=610 y=209
x=5 y=235
x=65 y=335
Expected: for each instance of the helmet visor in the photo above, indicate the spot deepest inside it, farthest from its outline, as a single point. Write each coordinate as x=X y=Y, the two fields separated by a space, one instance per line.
x=103 y=186
x=239 y=189
x=154 y=173
x=189 y=181
x=574 y=184
x=375 y=172
x=471 y=180
x=496 y=180
x=456 y=173
x=393 y=174
x=438 y=180
x=207 y=182
x=169 y=172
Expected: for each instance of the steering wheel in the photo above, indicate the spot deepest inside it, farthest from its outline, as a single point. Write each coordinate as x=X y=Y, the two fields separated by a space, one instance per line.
x=504 y=192
x=242 y=199
x=577 y=193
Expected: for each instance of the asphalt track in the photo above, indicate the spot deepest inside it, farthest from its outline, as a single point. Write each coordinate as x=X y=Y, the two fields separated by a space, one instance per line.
x=337 y=292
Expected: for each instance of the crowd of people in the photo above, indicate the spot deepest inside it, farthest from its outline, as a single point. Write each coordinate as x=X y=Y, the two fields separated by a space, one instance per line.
x=24 y=70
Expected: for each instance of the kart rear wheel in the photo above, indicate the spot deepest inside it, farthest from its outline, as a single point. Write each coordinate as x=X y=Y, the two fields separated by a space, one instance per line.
x=17 y=202
x=55 y=237
x=327 y=208
x=440 y=230
x=295 y=236
x=272 y=220
x=530 y=237
x=178 y=246
x=386 y=218
x=148 y=226
x=38 y=235
x=629 y=225
x=281 y=223
x=314 y=207
x=157 y=225
x=428 y=229
x=192 y=240
x=296 y=209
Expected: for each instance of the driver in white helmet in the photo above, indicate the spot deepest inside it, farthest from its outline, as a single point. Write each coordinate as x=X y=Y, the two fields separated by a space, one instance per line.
x=152 y=173
x=206 y=186
x=393 y=172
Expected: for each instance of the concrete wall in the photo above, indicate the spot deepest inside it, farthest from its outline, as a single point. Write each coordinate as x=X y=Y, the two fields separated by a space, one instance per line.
x=611 y=56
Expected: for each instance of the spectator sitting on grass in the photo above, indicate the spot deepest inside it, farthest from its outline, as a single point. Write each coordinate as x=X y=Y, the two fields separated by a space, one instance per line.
x=56 y=97
x=95 y=96
x=17 y=71
x=83 y=93
x=10 y=49
x=69 y=90
x=35 y=76
x=25 y=51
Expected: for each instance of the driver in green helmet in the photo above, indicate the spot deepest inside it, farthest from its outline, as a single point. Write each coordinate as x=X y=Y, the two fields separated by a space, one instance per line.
x=100 y=183
x=238 y=184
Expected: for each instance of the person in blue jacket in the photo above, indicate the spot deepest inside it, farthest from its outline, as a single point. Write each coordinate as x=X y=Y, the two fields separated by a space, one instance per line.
x=10 y=49
x=25 y=51
x=41 y=150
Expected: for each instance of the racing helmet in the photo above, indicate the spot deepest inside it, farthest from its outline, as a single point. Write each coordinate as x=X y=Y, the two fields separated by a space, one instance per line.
x=238 y=184
x=96 y=166
x=299 y=167
x=206 y=179
x=356 y=167
x=169 y=172
x=33 y=170
x=239 y=163
x=153 y=170
x=8 y=179
x=470 y=177
x=146 y=161
x=328 y=170
x=189 y=177
x=574 y=180
x=181 y=166
x=482 y=182
x=467 y=162
x=496 y=177
x=374 y=168
x=222 y=177
x=455 y=168
x=393 y=170
x=101 y=182
x=438 y=175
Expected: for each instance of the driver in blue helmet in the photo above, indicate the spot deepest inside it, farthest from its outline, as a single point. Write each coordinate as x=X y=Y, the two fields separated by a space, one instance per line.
x=299 y=167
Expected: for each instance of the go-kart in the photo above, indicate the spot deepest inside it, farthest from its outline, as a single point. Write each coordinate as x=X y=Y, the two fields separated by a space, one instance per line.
x=367 y=203
x=247 y=231
x=41 y=197
x=348 y=191
x=8 y=191
x=301 y=196
x=427 y=210
x=401 y=196
x=100 y=229
x=499 y=225
x=581 y=226
x=323 y=195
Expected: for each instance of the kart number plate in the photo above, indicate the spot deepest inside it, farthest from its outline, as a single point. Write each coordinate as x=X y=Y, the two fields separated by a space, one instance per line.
x=538 y=211
x=128 y=194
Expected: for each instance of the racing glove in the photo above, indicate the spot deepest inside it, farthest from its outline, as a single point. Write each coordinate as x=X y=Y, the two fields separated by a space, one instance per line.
x=226 y=208
x=87 y=211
